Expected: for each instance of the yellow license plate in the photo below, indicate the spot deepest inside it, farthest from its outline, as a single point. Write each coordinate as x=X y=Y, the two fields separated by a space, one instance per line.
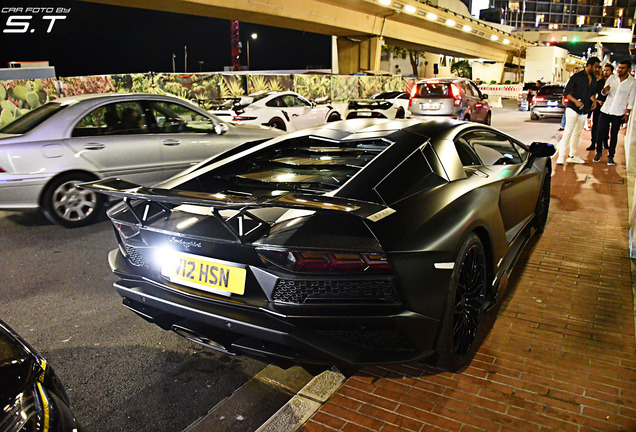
x=204 y=274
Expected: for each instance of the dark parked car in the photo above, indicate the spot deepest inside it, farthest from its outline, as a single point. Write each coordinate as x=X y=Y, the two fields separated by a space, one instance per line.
x=548 y=102
x=31 y=395
x=455 y=98
x=362 y=241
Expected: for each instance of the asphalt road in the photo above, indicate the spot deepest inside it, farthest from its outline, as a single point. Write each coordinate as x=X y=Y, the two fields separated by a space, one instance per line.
x=121 y=372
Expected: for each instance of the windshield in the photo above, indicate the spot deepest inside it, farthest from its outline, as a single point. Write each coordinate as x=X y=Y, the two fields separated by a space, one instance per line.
x=32 y=119
x=550 y=91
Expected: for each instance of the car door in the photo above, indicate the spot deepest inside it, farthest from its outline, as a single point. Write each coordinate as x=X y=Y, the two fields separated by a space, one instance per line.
x=302 y=113
x=478 y=108
x=186 y=136
x=115 y=139
x=505 y=161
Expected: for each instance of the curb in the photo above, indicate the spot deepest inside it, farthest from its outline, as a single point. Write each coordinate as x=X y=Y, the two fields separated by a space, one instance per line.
x=304 y=404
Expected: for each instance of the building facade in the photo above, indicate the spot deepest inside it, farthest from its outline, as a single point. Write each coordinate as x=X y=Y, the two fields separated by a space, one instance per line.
x=566 y=14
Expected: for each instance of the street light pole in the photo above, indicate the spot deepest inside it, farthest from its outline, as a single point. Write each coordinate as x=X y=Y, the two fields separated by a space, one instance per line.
x=252 y=36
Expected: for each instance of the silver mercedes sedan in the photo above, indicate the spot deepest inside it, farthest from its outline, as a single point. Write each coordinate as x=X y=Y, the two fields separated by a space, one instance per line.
x=142 y=138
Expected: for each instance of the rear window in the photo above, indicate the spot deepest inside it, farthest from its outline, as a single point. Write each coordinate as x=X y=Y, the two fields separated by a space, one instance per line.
x=32 y=119
x=550 y=91
x=433 y=90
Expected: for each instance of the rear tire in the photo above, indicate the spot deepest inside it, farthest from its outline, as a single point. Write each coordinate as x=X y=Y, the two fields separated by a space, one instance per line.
x=488 y=119
x=400 y=114
x=533 y=116
x=333 y=117
x=277 y=123
x=464 y=309
x=543 y=202
x=68 y=206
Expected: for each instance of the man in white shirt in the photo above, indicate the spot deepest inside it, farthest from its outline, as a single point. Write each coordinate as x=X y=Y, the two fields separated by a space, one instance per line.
x=620 y=90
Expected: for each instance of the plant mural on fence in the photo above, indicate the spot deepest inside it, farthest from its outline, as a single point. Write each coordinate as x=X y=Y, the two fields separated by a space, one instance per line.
x=277 y=83
x=21 y=96
x=73 y=86
x=312 y=86
x=344 y=88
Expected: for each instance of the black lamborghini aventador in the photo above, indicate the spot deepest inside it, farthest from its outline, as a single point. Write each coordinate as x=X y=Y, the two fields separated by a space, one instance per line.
x=358 y=242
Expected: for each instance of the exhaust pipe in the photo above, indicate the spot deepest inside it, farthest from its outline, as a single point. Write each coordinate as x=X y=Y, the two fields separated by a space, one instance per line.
x=193 y=336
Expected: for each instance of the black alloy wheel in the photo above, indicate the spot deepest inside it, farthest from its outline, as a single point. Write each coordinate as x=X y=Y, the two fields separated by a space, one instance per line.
x=464 y=310
x=488 y=119
x=69 y=206
x=543 y=203
x=400 y=113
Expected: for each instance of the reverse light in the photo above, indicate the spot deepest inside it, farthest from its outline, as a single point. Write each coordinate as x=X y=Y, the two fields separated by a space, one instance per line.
x=456 y=94
x=319 y=262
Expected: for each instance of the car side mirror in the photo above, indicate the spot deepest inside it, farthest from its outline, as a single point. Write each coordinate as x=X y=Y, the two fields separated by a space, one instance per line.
x=221 y=128
x=542 y=149
x=484 y=96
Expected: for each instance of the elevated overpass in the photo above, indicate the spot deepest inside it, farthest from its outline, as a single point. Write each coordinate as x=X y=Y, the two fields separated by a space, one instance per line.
x=362 y=26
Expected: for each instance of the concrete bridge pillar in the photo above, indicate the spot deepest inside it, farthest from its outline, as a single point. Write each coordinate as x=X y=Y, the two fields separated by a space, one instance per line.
x=356 y=55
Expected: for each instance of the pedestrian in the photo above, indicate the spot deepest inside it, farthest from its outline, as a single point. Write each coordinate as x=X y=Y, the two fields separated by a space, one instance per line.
x=579 y=93
x=620 y=90
x=562 y=126
x=608 y=70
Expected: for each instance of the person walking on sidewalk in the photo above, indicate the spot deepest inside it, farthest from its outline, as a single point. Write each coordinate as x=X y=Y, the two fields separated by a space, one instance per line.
x=608 y=70
x=620 y=90
x=579 y=93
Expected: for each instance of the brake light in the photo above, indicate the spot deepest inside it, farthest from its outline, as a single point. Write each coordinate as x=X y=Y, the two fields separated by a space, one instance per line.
x=539 y=99
x=565 y=100
x=413 y=93
x=1 y=170
x=242 y=118
x=305 y=261
x=456 y=94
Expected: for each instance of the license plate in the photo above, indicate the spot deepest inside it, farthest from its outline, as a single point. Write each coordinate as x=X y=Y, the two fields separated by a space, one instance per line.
x=204 y=274
x=553 y=103
x=430 y=106
x=364 y=114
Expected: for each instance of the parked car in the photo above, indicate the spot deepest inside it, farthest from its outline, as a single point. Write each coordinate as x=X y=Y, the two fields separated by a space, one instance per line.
x=359 y=242
x=144 y=138
x=548 y=102
x=525 y=96
x=455 y=98
x=389 y=105
x=32 y=396
x=287 y=111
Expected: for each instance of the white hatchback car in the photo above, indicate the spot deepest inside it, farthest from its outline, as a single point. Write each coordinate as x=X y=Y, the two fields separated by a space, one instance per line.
x=144 y=138
x=287 y=111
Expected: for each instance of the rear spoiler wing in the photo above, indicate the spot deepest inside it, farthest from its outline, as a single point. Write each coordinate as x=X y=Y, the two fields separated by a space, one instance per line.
x=122 y=189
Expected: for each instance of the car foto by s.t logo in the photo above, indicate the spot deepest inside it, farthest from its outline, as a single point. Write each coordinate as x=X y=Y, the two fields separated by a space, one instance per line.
x=20 y=19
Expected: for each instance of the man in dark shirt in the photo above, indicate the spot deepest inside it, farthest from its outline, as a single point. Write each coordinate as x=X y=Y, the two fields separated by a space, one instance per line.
x=608 y=70
x=579 y=93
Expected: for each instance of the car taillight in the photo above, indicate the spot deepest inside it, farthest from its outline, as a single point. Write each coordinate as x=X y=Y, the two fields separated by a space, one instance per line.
x=318 y=262
x=1 y=170
x=456 y=94
x=539 y=99
x=243 y=118
x=413 y=93
x=565 y=100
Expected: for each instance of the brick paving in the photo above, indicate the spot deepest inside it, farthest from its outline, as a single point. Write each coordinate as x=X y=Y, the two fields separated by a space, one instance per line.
x=558 y=353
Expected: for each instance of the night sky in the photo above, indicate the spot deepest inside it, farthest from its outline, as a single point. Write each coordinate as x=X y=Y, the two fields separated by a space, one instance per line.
x=97 y=39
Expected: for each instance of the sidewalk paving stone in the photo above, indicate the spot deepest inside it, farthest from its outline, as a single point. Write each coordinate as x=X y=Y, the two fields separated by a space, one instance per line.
x=557 y=354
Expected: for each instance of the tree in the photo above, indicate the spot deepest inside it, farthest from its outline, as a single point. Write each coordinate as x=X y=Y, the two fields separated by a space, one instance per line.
x=462 y=68
x=414 y=56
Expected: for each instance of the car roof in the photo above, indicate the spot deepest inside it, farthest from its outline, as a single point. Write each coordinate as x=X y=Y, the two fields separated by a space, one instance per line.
x=443 y=80
x=94 y=96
